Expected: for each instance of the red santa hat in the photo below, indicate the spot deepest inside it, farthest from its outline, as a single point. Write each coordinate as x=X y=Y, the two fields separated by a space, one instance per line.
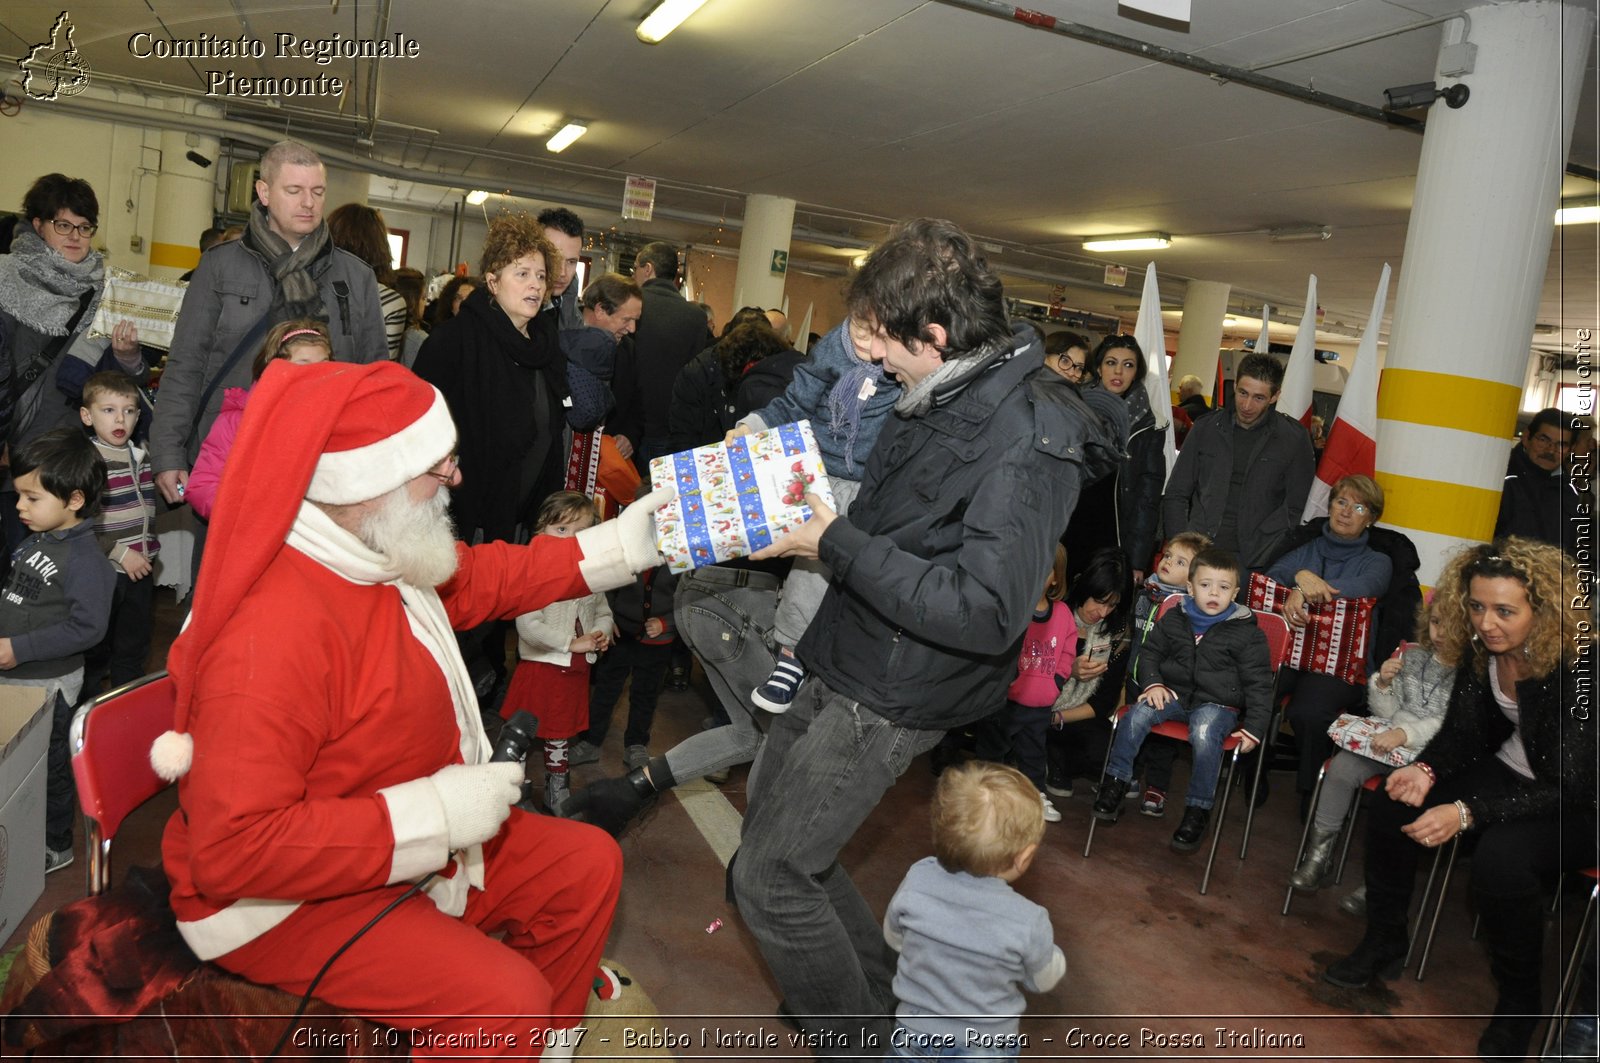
x=332 y=433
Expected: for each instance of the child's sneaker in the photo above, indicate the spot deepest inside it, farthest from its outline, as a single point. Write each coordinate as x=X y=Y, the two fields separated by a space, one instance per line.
x=1135 y=789
x=581 y=752
x=1154 y=803
x=56 y=859
x=1057 y=783
x=777 y=693
x=1051 y=813
x=635 y=757
x=557 y=792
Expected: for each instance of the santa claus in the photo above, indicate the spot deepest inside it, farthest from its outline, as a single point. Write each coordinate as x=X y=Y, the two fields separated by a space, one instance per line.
x=327 y=742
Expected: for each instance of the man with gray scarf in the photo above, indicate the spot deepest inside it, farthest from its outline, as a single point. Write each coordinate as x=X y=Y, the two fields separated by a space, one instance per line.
x=936 y=572
x=284 y=267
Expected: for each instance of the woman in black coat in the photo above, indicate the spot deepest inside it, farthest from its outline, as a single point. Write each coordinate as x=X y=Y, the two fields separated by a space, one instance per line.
x=705 y=395
x=1123 y=510
x=1514 y=763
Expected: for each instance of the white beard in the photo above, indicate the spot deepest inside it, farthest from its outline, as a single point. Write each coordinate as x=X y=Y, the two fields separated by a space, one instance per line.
x=416 y=539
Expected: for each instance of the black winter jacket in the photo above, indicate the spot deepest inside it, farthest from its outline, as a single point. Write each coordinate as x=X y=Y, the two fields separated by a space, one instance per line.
x=670 y=332
x=1229 y=666
x=939 y=565
x=1558 y=735
x=1538 y=504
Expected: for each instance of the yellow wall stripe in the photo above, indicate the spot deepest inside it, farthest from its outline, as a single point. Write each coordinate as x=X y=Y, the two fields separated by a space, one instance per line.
x=1439 y=507
x=175 y=256
x=1486 y=407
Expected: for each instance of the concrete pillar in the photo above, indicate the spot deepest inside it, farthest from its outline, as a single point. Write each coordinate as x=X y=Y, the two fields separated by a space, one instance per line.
x=1205 y=304
x=184 y=203
x=768 y=223
x=1475 y=260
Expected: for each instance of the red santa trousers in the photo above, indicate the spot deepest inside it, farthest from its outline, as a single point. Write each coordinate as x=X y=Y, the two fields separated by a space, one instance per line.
x=550 y=885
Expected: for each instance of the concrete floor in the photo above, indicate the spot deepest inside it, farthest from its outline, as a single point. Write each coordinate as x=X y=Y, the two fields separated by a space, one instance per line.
x=1155 y=969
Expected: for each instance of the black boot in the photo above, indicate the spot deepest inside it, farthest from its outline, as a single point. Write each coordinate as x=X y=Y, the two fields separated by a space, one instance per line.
x=611 y=804
x=1380 y=955
x=1513 y=928
x=1186 y=839
x=1108 y=802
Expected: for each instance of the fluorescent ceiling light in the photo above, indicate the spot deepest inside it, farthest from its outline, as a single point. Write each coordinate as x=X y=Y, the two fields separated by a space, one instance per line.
x=1291 y=234
x=668 y=16
x=1128 y=242
x=566 y=135
x=477 y=197
x=1587 y=214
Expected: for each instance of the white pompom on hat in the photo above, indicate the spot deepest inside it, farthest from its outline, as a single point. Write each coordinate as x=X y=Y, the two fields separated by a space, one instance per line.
x=333 y=433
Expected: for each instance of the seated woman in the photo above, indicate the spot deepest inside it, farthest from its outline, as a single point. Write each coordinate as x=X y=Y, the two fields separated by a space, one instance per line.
x=1514 y=762
x=1099 y=597
x=1340 y=563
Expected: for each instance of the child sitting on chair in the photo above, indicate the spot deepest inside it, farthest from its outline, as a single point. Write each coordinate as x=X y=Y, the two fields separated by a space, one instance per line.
x=1202 y=663
x=1411 y=691
x=968 y=943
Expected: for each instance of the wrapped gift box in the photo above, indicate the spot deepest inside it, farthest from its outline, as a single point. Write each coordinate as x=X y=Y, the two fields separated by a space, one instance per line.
x=1355 y=733
x=736 y=498
x=152 y=305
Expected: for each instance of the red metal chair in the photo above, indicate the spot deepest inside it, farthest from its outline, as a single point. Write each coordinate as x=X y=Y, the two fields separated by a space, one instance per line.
x=1276 y=629
x=110 y=741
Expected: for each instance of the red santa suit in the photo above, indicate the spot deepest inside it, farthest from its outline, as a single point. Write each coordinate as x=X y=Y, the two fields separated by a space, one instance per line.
x=320 y=693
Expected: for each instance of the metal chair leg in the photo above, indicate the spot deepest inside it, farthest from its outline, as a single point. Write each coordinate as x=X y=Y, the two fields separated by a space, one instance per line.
x=1449 y=859
x=1569 y=979
x=1104 y=767
x=1221 y=810
x=1305 y=833
x=1263 y=755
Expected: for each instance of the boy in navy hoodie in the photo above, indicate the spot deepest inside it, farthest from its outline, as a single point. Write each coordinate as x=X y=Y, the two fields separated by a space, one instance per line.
x=56 y=601
x=1202 y=663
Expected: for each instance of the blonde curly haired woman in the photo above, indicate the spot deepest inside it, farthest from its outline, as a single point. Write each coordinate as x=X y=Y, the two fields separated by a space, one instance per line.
x=1513 y=762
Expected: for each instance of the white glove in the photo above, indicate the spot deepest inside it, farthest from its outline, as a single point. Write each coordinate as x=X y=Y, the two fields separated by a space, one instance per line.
x=636 y=527
x=477 y=798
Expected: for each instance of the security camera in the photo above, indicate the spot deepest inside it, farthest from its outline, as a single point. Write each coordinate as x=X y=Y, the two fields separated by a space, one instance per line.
x=197 y=158
x=1422 y=94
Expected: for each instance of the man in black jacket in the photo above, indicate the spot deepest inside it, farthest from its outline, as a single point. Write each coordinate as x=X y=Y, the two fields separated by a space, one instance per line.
x=1538 y=500
x=936 y=573
x=671 y=331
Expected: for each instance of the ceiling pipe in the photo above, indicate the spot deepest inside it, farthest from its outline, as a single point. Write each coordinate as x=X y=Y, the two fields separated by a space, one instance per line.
x=1329 y=49
x=232 y=129
x=1201 y=65
x=374 y=75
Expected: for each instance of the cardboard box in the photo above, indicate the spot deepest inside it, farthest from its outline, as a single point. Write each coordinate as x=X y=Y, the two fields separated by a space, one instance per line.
x=1355 y=734
x=736 y=498
x=25 y=734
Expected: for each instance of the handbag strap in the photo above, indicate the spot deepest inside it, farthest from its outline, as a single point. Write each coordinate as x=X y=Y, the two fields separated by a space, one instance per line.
x=249 y=340
x=48 y=352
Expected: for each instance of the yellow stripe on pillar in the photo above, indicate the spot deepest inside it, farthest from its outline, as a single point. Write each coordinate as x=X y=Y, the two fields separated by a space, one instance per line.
x=1439 y=507
x=174 y=256
x=1486 y=407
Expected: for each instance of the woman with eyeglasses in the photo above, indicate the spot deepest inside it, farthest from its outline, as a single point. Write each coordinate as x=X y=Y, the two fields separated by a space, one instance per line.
x=1340 y=562
x=1514 y=764
x=50 y=287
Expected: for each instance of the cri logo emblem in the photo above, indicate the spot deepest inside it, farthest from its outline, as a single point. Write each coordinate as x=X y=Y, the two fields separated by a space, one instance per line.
x=55 y=68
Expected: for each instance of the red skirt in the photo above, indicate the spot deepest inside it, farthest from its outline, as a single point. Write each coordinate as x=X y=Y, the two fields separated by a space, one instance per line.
x=558 y=696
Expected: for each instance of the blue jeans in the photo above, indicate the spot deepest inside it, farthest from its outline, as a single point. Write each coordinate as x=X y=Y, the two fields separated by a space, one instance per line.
x=725 y=618
x=825 y=765
x=1209 y=726
x=909 y=1044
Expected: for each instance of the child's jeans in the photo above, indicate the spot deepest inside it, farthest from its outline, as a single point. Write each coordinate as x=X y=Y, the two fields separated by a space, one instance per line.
x=1209 y=726
x=909 y=1044
x=61 y=792
x=647 y=664
x=808 y=579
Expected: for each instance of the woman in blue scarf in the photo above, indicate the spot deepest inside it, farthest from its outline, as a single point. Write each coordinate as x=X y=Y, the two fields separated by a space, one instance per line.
x=1338 y=564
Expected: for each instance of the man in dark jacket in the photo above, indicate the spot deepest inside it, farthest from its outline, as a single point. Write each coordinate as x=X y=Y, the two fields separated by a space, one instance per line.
x=1243 y=474
x=936 y=573
x=1538 y=500
x=671 y=331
